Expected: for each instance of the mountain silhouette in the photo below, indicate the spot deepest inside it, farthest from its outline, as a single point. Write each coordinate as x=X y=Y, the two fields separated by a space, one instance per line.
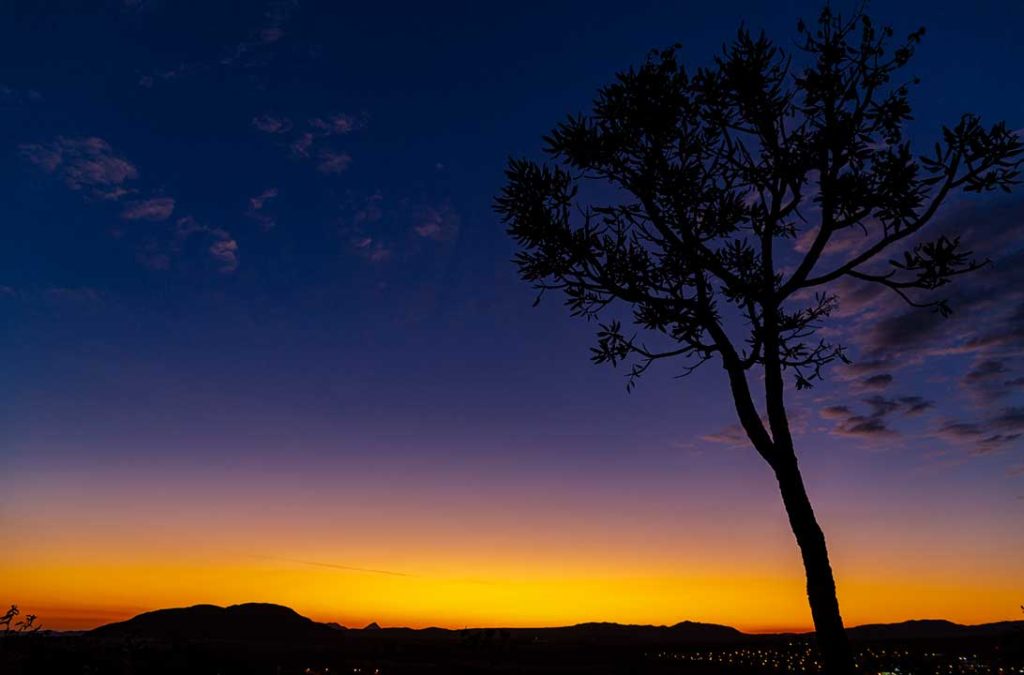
x=612 y=633
x=249 y=621
x=931 y=629
x=261 y=622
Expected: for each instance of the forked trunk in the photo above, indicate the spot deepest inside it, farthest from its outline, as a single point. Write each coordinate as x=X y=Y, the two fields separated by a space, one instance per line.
x=821 y=587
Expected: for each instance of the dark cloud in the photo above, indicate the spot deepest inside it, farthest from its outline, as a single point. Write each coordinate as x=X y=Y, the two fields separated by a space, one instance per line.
x=835 y=412
x=988 y=319
x=875 y=422
x=880 y=381
x=987 y=436
x=881 y=406
x=913 y=405
x=1010 y=419
x=960 y=430
x=987 y=380
x=859 y=425
x=986 y=329
x=986 y=371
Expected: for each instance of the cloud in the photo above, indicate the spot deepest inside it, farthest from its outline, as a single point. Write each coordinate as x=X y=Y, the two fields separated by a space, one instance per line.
x=300 y=146
x=380 y=229
x=880 y=381
x=330 y=162
x=875 y=422
x=986 y=371
x=993 y=433
x=14 y=98
x=270 y=124
x=977 y=437
x=990 y=380
x=988 y=319
x=835 y=412
x=730 y=435
x=1011 y=419
x=986 y=331
x=860 y=425
x=372 y=250
x=914 y=405
x=312 y=142
x=270 y=31
x=370 y=212
x=334 y=125
x=221 y=248
x=225 y=251
x=268 y=28
x=86 y=164
x=157 y=208
x=257 y=206
x=437 y=223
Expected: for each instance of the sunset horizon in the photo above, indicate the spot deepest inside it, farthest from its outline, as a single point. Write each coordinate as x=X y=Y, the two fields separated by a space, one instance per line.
x=473 y=315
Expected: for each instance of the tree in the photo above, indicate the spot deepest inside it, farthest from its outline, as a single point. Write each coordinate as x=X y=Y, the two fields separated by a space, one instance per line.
x=705 y=206
x=26 y=625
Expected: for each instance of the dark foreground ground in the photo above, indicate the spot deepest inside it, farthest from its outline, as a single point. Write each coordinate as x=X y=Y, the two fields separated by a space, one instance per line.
x=485 y=651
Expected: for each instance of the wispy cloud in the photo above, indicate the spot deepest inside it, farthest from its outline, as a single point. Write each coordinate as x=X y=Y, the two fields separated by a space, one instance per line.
x=732 y=435
x=86 y=164
x=333 y=125
x=272 y=124
x=257 y=208
x=337 y=566
x=439 y=223
x=313 y=140
x=268 y=28
x=11 y=97
x=331 y=162
x=875 y=422
x=156 y=208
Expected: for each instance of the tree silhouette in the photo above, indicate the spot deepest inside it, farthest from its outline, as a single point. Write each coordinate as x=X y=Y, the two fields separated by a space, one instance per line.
x=26 y=625
x=725 y=191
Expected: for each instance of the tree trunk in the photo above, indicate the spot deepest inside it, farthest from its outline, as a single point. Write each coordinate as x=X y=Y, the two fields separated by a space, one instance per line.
x=821 y=587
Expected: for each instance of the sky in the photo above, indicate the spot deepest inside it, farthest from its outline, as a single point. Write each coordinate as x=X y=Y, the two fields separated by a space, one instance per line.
x=261 y=338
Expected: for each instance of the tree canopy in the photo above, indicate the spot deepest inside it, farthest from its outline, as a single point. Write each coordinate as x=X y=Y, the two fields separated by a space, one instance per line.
x=724 y=186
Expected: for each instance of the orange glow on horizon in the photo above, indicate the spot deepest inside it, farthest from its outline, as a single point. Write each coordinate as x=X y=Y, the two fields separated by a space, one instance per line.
x=80 y=596
x=526 y=555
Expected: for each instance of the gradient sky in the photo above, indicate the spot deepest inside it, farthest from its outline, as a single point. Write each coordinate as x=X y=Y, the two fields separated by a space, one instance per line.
x=261 y=339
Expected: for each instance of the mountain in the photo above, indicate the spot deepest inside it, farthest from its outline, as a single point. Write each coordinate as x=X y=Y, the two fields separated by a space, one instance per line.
x=250 y=621
x=932 y=629
x=687 y=631
x=262 y=622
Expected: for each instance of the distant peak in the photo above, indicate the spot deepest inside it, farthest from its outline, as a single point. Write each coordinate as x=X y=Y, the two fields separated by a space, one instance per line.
x=372 y=626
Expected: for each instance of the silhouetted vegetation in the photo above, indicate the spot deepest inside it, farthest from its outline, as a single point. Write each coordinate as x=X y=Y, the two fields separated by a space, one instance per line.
x=10 y=623
x=726 y=191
